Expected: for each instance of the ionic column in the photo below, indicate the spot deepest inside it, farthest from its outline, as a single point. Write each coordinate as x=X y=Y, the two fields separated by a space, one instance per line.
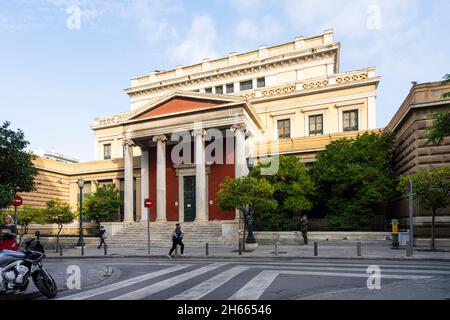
x=240 y=165
x=128 y=181
x=200 y=175
x=160 y=177
x=144 y=183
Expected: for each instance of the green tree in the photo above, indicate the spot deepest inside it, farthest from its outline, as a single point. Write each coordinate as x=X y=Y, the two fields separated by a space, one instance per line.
x=58 y=213
x=440 y=128
x=17 y=171
x=446 y=81
x=354 y=176
x=256 y=192
x=102 y=204
x=25 y=216
x=432 y=188
x=293 y=191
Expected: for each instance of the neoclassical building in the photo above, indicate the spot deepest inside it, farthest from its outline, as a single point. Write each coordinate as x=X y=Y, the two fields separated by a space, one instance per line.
x=189 y=128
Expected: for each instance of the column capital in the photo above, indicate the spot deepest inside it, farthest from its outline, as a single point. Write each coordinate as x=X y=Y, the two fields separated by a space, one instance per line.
x=128 y=142
x=161 y=138
x=239 y=126
x=200 y=132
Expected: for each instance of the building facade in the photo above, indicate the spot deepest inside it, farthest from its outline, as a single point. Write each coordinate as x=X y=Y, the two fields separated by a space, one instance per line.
x=189 y=128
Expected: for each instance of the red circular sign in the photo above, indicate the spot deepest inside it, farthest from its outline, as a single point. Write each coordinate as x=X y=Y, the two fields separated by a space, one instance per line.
x=148 y=203
x=17 y=201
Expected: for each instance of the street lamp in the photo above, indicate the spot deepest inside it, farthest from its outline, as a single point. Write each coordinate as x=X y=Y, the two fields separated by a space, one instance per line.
x=248 y=207
x=80 y=242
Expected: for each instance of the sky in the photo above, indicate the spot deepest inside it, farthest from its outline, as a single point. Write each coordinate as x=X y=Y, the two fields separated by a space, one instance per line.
x=58 y=72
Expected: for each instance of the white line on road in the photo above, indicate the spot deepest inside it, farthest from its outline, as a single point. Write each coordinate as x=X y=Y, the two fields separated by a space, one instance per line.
x=210 y=285
x=255 y=287
x=149 y=290
x=124 y=283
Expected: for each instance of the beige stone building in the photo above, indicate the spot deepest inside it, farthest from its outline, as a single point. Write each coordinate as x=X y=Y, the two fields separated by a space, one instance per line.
x=290 y=98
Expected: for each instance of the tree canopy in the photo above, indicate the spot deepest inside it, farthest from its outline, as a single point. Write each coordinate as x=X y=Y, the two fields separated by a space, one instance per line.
x=354 y=176
x=440 y=128
x=17 y=171
x=103 y=203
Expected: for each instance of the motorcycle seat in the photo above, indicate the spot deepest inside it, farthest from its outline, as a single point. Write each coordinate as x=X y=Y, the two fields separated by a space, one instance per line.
x=13 y=254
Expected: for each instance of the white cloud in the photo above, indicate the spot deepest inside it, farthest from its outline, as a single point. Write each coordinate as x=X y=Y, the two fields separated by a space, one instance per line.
x=199 y=42
x=263 y=29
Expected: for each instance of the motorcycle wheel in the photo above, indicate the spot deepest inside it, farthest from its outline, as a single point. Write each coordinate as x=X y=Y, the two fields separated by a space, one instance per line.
x=45 y=284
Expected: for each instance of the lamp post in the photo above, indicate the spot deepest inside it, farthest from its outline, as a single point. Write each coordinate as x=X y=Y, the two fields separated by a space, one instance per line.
x=80 y=242
x=248 y=207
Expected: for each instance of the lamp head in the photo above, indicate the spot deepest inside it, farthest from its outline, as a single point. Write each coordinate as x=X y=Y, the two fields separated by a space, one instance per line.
x=250 y=163
x=80 y=182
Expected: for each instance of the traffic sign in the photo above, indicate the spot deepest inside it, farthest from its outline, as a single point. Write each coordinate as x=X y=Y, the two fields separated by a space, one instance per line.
x=17 y=201
x=148 y=203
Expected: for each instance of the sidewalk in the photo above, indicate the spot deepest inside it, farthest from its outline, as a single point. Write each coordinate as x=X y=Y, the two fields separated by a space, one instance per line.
x=326 y=249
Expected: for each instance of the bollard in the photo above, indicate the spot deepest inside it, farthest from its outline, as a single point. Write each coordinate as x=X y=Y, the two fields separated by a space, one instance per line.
x=207 y=249
x=82 y=250
x=106 y=249
x=240 y=248
x=276 y=248
x=408 y=249
x=315 y=249
x=358 y=249
x=60 y=250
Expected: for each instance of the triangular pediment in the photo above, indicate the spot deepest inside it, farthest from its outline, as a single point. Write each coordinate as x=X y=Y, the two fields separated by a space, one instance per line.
x=179 y=103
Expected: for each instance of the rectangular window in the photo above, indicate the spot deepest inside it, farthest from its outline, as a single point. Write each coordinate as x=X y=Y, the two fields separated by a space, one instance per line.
x=219 y=89
x=284 y=129
x=350 y=120
x=230 y=88
x=246 y=85
x=316 y=125
x=261 y=82
x=208 y=90
x=107 y=151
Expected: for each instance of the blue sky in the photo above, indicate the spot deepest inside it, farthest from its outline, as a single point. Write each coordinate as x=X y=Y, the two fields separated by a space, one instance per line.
x=55 y=80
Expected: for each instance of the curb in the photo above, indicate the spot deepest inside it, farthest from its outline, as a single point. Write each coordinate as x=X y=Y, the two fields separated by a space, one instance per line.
x=186 y=257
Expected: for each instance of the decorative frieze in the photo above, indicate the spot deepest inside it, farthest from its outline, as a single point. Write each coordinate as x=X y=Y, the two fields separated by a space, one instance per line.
x=280 y=90
x=316 y=84
x=352 y=77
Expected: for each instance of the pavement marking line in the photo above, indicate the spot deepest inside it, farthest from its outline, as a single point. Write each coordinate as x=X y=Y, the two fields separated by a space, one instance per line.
x=209 y=285
x=125 y=283
x=259 y=284
x=156 y=287
x=255 y=287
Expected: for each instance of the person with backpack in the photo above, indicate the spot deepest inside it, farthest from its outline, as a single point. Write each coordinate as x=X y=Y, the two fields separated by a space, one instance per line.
x=177 y=239
x=103 y=236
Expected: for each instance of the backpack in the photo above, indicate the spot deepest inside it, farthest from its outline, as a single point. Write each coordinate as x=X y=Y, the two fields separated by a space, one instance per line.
x=105 y=235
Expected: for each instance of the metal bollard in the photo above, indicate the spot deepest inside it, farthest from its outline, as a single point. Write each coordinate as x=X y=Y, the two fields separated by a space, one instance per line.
x=276 y=248
x=60 y=250
x=358 y=249
x=315 y=249
x=82 y=250
x=408 y=249
x=240 y=248
x=106 y=249
x=207 y=249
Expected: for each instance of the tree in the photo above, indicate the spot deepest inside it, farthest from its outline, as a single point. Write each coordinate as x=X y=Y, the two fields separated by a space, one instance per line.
x=25 y=216
x=102 y=204
x=17 y=171
x=293 y=190
x=446 y=81
x=432 y=188
x=58 y=213
x=440 y=128
x=256 y=192
x=354 y=176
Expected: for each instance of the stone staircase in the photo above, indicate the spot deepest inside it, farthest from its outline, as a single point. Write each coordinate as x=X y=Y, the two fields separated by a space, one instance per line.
x=195 y=235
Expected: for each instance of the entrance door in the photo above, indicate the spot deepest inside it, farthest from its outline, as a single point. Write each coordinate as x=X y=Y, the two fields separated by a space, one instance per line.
x=189 y=198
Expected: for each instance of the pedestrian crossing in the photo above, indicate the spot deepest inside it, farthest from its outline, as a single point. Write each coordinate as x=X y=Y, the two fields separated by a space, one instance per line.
x=238 y=280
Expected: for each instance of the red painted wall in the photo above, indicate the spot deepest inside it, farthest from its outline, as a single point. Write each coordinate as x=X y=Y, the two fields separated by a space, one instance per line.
x=218 y=174
x=152 y=181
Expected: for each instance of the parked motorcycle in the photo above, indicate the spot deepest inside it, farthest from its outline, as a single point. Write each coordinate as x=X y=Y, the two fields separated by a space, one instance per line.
x=16 y=269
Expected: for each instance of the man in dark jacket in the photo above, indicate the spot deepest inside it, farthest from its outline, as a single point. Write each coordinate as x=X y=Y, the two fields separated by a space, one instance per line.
x=304 y=228
x=177 y=239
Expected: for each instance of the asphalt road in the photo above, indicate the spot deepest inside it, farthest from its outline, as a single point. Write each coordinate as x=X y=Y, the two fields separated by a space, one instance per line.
x=265 y=279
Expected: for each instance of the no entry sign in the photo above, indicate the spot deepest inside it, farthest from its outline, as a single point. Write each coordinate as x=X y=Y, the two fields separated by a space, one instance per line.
x=148 y=203
x=17 y=201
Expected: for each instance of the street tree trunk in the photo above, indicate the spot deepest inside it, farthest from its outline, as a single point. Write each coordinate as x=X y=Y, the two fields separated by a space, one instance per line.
x=433 y=248
x=57 y=238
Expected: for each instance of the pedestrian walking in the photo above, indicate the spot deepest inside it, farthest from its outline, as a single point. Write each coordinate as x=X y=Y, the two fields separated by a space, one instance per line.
x=103 y=235
x=177 y=239
x=304 y=228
